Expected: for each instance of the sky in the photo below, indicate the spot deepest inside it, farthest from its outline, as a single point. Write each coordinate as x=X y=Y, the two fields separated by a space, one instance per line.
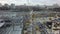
x=31 y=2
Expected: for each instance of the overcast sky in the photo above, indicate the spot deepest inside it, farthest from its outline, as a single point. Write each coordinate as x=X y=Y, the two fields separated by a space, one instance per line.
x=41 y=2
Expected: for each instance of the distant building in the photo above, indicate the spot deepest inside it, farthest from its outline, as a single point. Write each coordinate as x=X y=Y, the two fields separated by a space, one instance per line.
x=21 y=7
x=0 y=5
x=12 y=6
x=55 y=5
x=6 y=5
x=49 y=7
x=43 y=6
x=24 y=4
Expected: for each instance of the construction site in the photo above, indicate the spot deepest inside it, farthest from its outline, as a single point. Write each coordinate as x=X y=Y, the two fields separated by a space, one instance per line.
x=30 y=22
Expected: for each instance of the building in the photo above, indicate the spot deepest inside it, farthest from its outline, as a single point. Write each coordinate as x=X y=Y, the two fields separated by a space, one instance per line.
x=6 y=5
x=0 y=5
x=12 y=6
x=56 y=25
x=56 y=6
x=53 y=6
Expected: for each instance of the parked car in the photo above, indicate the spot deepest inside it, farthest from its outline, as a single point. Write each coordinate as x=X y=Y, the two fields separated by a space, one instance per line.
x=1 y=22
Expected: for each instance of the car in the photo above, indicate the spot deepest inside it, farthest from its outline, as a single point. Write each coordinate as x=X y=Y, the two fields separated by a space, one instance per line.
x=1 y=22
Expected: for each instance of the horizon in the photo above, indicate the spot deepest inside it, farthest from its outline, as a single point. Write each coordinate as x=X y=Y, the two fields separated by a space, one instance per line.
x=30 y=2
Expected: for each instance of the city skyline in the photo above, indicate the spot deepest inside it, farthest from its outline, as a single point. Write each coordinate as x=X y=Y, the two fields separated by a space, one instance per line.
x=31 y=2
